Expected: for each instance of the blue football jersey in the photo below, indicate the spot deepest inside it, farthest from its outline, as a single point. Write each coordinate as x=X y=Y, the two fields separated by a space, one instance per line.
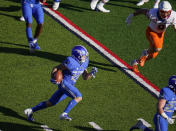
x=75 y=69
x=31 y=1
x=170 y=97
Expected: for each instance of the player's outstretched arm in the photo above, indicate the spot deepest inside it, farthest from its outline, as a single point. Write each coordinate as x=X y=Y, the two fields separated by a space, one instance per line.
x=137 y=12
x=86 y=75
x=140 y=12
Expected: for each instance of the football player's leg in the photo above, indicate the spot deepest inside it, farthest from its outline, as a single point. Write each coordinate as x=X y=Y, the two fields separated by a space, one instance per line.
x=134 y=64
x=161 y=124
x=51 y=102
x=145 y=53
x=153 y=50
x=156 y=44
x=27 y=13
x=140 y=61
x=143 y=57
x=93 y=4
x=100 y=6
x=39 y=17
x=57 y=97
x=56 y=4
x=76 y=96
x=29 y=112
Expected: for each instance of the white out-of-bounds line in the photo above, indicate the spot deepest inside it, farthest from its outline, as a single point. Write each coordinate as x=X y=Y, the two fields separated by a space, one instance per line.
x=102 y=49
x=95 y=126
x=46 y=128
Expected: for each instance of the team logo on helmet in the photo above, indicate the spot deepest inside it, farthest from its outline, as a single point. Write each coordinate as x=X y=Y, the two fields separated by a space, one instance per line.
x=80 y=53
x=172 y=82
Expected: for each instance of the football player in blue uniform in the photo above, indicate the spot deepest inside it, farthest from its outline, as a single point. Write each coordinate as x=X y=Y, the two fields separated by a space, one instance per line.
x=33 y=8
x=165 y=108
x=71 y=68
x=55 y=6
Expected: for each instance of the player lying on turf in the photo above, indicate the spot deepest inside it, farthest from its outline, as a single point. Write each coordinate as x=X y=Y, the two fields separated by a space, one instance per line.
x=160 y=18
x=70 y=69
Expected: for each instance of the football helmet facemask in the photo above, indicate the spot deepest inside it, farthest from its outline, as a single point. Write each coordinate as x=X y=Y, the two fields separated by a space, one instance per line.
x=80 y=53
x=172 y=82
x=165 y=9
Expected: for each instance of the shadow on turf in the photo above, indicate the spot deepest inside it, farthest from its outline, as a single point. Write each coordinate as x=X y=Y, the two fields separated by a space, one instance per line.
x=10 y=8
x=16 y=1
x=9 y=112
x=74 y=8
x=15 y=17
x=6 y=126
x=90 y=129
x=48 y=55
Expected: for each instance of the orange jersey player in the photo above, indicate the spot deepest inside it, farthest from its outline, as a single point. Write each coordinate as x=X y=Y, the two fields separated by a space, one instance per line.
x=160 y=18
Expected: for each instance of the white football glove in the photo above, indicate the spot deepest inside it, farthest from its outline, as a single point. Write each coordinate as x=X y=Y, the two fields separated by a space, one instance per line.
x=173 y=117
x=170 y=120
x=94 y=71
x=129 y=18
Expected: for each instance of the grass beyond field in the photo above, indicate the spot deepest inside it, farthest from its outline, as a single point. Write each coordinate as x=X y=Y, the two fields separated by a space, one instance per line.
x=112 y=99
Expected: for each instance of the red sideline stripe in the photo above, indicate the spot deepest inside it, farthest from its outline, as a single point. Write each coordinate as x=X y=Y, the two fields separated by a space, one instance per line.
x=104 y=47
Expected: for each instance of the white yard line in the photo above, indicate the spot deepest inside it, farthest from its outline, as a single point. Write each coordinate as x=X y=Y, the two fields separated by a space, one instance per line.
x=95 y=126
x=46 y=128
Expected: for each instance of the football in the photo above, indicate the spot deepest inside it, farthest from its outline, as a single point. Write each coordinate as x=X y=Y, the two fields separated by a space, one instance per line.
x=58 y=76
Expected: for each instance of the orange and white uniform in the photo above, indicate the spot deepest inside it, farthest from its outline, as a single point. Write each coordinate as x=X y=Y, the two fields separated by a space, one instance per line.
x=157 y=27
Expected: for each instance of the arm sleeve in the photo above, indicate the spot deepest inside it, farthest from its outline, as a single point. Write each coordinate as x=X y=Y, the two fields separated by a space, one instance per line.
x=67 y=62
x=163 y=94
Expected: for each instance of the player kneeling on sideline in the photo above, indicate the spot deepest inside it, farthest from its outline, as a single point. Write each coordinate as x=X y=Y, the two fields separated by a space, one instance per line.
x=165 y=108
x=99 y=6
x=160 y=18
x=71 y=69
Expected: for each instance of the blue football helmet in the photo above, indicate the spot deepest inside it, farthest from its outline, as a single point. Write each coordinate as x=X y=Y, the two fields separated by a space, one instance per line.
x=80 y=53
x=172 y=82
